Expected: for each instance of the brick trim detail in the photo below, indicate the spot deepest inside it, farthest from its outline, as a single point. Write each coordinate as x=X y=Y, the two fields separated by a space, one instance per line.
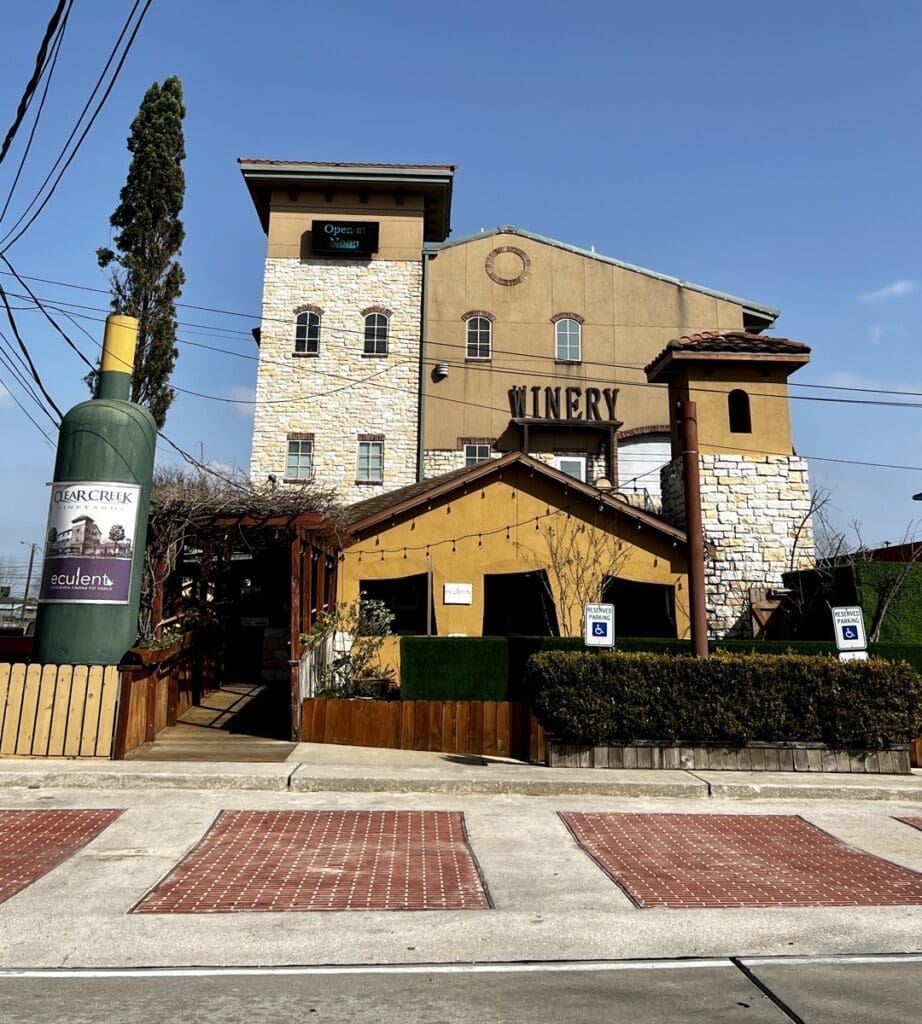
x=308 y=308
x=507 y=281
x=663 y=428
x=295 y=435
x=471 y=313
x=370 y=437
x=377 y=309
x=568 y=316
x=462 y=441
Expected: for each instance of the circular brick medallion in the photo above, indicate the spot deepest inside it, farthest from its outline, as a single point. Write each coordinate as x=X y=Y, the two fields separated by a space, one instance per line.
x=507 y=265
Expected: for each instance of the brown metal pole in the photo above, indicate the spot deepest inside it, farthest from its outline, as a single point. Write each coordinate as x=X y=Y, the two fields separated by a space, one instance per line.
x=688 y=415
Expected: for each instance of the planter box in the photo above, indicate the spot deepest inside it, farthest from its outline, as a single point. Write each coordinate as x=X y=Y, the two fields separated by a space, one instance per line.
x=752 y=757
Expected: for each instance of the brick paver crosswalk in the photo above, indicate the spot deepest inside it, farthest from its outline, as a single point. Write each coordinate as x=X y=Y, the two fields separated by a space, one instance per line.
x=325 y=860
x=737 y=860
x=32 y=842
x=915 y=822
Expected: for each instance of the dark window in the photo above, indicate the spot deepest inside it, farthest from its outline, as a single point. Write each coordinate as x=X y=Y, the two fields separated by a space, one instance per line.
x=738 y=407
x=479 y=337
x=405 y=597
x=376 y=334
x=474 y=453
x=307 y=333
x=641 y=609
x=518 y=604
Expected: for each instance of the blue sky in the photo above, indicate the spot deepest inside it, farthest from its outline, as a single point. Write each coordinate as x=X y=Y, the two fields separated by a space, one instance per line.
x=771 y=151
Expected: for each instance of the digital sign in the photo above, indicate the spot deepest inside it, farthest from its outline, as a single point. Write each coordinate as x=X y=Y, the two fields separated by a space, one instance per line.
x=344 y=237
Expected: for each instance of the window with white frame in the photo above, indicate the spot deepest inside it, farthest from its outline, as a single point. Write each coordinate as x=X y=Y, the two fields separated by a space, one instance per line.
x=376 y=327
x=370 y=462
x=567 y=333
x=307 y=333
x=474 y=453
x=300 y=462
x=479 y=338
x=572 y=465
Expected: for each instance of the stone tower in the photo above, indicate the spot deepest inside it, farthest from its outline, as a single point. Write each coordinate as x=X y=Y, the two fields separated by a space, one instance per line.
x=338 y=382
x=755 y=495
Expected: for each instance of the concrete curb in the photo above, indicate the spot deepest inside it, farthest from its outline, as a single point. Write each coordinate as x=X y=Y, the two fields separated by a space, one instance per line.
x=488 y=778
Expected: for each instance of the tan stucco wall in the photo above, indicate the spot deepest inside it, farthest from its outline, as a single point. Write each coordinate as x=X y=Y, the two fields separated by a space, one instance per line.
x=400 y=225
x=514 y=501
x=628 y=316
x=768 y=407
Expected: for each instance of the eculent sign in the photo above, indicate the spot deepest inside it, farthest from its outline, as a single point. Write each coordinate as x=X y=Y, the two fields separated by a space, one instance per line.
x=90 y=545
x=569 y=403
x=344 y=237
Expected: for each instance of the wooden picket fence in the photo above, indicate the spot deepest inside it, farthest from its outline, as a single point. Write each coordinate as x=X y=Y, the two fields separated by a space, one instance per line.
x=489 y=727
x=57 y=710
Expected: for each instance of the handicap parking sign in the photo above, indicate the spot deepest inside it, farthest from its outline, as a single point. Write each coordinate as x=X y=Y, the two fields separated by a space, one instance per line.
x=849 y=628
x=599 y=620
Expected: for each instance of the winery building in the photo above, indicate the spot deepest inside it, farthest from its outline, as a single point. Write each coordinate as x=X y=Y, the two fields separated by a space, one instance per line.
x=395 y=360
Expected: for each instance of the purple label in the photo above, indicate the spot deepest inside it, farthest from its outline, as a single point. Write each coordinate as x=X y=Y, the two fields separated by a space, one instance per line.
x=99 y=579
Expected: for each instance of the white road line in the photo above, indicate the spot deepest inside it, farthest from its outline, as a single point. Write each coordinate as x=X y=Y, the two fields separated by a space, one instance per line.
x=562 y=967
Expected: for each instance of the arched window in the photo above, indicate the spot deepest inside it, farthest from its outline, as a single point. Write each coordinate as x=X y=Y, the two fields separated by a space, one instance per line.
x=738 y=408
x=307 y=333
x=479 y=338
x=376 y=325
x=568 y=341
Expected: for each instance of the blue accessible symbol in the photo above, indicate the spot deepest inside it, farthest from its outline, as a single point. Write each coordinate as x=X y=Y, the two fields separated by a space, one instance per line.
x=849 y=632
x=600 y=629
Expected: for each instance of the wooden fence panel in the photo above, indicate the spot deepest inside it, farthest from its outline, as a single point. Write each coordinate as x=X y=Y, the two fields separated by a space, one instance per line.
x=57 y=710
x=75 y=708
x=487 y=728
x=915 y=753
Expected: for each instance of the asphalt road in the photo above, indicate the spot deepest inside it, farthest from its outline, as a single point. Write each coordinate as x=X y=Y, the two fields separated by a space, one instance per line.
x=845 y=992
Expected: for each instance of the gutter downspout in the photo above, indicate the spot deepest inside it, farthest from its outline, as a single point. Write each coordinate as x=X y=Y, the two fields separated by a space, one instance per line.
x=421 y=391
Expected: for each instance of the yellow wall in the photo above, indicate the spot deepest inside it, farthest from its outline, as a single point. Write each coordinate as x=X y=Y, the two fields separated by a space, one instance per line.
x=400 y=232
x=516 y=500
x=629 y=317
x=769 y=407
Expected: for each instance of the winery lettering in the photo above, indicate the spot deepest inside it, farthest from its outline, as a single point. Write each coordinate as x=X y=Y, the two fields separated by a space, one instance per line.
x=563 y=403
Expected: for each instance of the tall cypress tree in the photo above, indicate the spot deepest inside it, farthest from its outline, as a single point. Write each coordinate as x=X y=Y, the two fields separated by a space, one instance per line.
x=146 y=279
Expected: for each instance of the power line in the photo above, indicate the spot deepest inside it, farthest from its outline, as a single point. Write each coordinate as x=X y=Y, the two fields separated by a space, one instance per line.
x=32 y=84
x=52 y=64
x=9 y=241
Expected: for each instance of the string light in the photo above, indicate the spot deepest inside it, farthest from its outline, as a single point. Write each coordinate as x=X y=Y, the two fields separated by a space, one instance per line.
x=507 y=533
x=479 y=541
x=404 y=554
x=453 y=548
x=537 y=528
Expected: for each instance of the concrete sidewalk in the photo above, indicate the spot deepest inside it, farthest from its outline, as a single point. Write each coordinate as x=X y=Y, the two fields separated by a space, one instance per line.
x=322 y=768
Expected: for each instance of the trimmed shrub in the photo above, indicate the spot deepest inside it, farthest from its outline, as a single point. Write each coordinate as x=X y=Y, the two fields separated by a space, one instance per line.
x=454 y=668
x=616 y=697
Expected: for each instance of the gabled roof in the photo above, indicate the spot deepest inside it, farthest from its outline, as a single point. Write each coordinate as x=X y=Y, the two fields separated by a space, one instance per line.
x=365 y=515
x=759 y=315
x=726 y=346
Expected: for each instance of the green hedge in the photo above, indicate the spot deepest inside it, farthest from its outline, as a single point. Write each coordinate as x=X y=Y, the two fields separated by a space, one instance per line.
x=619 y=697
x=493 y=667
x=903 y=620
x=454 y=668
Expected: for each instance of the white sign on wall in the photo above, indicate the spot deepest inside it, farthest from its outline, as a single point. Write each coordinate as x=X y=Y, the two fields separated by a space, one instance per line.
x=458 y=593
x=600 y=625
x=848 y=624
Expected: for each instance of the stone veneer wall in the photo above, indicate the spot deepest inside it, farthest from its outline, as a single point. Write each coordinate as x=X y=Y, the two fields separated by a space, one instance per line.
x=752 y=511
x=437 y=461
x=293 y=392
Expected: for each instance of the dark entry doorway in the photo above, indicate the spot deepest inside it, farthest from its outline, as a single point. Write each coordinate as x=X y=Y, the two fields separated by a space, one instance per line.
x=405 y=598
x=641 y=609
x=518 y=604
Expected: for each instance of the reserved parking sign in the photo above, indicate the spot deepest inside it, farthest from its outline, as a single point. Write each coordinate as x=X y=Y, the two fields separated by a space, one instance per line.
x=599 y=628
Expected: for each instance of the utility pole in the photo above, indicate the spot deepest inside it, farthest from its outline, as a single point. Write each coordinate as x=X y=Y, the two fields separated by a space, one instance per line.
x=25 y=596
x=688 y=417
